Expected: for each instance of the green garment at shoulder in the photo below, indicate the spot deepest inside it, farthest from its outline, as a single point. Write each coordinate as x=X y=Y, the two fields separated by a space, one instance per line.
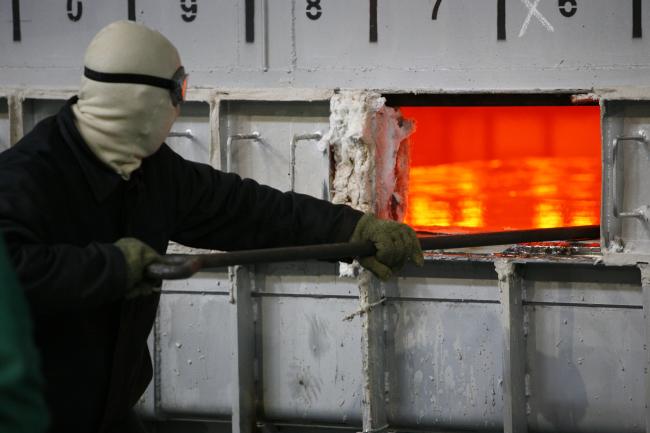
x=22 y=406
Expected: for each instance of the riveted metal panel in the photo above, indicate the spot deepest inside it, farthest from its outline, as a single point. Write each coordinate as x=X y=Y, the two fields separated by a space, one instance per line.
x=195 y=355
x=311 y=360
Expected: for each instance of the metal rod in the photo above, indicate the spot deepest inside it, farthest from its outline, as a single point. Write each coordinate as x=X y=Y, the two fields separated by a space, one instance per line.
x=180 y=266
x=292 y=152
x=264 y=57
x=252 y=136
x=186 y=134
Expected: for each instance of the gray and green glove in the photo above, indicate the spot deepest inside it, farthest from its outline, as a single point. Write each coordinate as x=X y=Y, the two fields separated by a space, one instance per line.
x=138 y=256
x=396 y=244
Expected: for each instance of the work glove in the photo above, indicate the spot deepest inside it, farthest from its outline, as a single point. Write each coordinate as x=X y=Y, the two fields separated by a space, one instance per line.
x=138 y=256
x=396 y=244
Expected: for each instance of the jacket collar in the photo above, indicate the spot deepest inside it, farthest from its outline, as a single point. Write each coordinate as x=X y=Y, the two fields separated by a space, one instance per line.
x=102 y=179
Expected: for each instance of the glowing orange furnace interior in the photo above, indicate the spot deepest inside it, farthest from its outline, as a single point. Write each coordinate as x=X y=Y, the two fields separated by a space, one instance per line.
x=503 y=168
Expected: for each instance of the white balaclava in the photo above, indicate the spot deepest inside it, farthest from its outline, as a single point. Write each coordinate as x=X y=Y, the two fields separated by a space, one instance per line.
x=123 y=122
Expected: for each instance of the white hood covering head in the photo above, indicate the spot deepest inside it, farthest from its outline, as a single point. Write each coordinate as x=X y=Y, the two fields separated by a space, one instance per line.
x=122 y=122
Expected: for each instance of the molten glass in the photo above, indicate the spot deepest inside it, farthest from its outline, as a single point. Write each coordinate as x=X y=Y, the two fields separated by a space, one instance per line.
x=528 y=167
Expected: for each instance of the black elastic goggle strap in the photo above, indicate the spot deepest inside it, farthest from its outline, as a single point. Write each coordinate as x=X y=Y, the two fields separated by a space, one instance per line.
x=149 y=80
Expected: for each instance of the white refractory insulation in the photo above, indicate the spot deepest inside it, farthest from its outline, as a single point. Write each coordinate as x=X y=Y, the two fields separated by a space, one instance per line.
x=368 y=143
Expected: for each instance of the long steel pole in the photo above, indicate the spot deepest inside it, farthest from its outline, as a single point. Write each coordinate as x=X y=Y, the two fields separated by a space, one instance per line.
x=180 y=266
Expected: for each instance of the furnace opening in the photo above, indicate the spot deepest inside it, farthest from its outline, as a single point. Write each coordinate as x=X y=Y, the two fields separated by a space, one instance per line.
x=493 y=168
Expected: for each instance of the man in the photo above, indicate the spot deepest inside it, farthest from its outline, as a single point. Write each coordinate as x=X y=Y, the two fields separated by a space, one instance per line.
x=92 y=195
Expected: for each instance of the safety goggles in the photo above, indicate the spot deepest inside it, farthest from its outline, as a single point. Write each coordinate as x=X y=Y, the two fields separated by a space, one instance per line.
x=177 y=86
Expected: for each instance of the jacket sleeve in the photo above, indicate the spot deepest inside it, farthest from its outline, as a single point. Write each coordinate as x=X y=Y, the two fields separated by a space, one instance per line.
x=220 y=210
x=60 y=277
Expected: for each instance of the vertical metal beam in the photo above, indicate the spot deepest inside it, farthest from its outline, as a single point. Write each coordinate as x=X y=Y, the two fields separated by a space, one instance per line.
x=157 y=383
x=645 y=287
x=16 y=121
x=264 y=30
x=372 y=353
x=214 y=154
x=243 y=399
x=514 y=353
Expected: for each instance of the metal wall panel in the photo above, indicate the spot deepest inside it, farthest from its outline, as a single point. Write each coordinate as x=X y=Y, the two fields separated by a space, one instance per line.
x=311 y=360
x=458 y=50
x=50 y=40
x=268 y=159
x=195 y=355
x=585 y=337
x=208 y=39
x=444 y=363
x=585 y=369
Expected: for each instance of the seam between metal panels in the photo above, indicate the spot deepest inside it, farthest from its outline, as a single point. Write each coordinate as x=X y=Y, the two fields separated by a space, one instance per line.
x=301 y=295
x=576 y=304
x=450 y=300
x=157 y=384
x=193 y=292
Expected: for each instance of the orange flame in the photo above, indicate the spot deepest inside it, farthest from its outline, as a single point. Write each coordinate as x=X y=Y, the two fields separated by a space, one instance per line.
x=503 y=168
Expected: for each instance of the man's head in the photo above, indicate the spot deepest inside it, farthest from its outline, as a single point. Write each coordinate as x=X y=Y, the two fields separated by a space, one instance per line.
x=130 y=94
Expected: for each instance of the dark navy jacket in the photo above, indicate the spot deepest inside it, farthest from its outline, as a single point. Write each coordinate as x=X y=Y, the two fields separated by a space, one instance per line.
x=61 y=210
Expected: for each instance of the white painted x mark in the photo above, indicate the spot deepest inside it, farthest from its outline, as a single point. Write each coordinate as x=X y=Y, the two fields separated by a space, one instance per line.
x=532 y=10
